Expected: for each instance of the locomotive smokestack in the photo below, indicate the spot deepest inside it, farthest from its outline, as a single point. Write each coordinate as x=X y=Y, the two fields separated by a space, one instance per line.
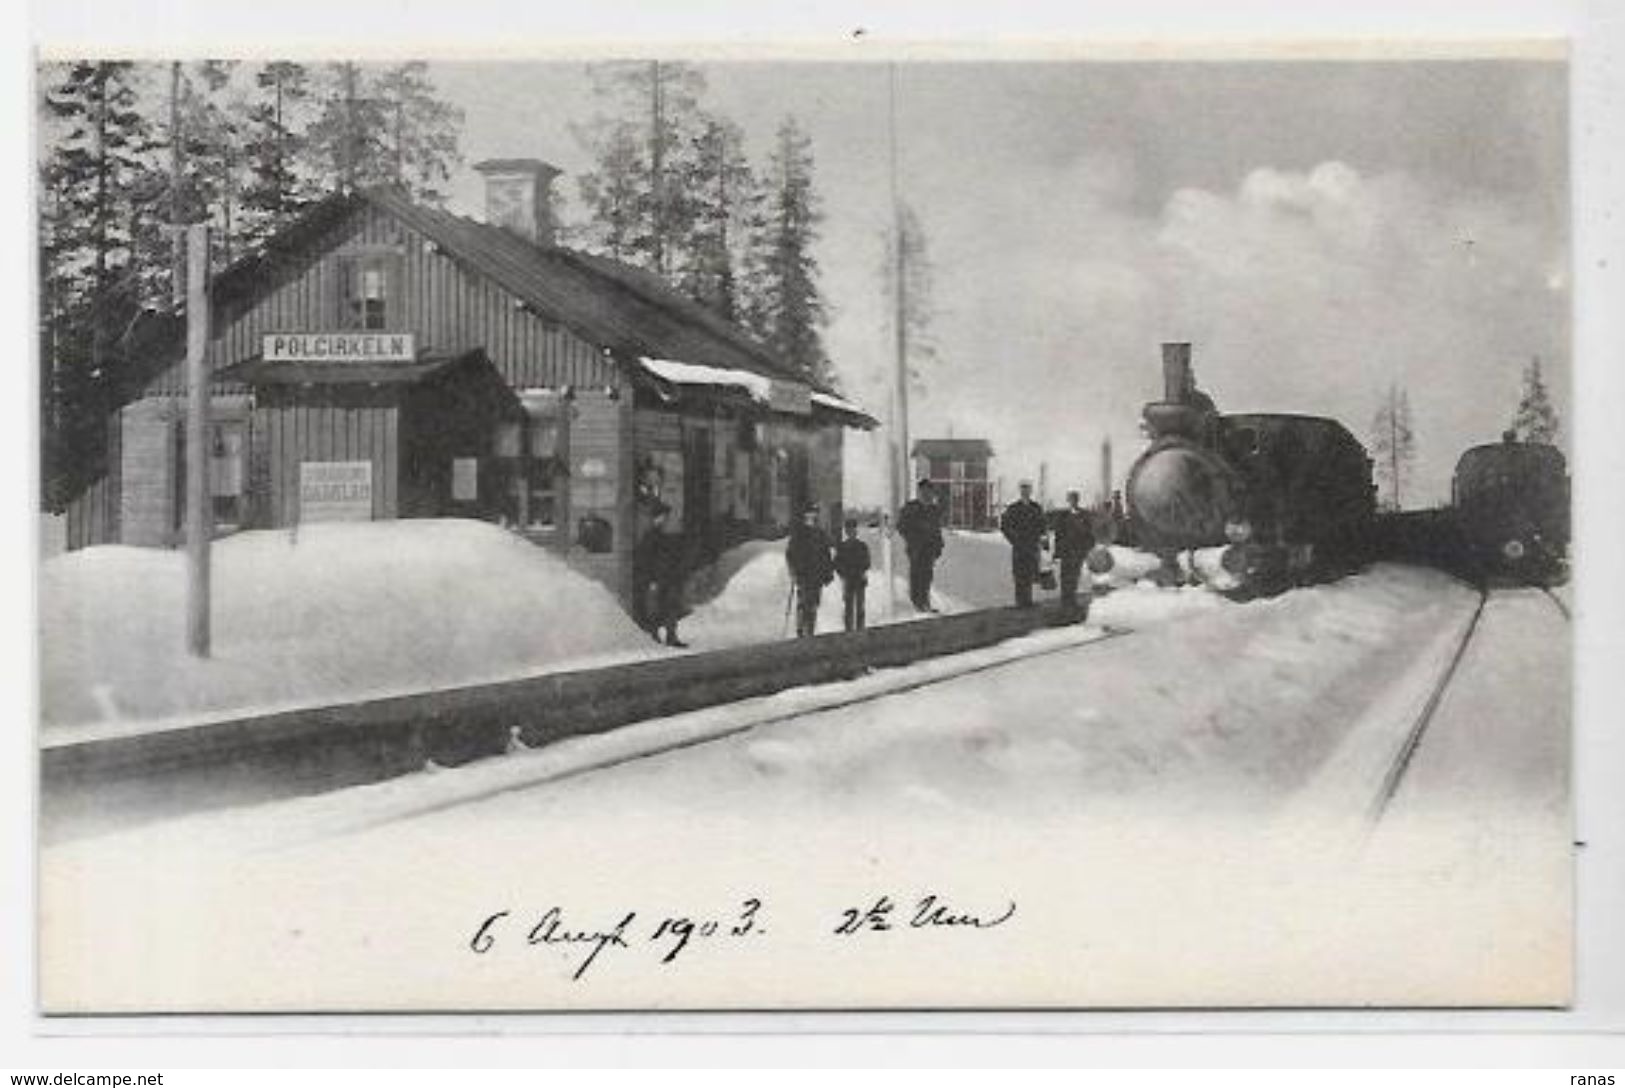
x=1177 y=382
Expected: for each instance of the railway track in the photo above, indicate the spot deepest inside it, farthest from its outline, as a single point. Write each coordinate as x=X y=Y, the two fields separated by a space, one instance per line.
x=1395 y=775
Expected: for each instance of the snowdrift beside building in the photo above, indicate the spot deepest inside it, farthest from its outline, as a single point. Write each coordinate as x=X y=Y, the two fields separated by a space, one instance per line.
x=331 y=611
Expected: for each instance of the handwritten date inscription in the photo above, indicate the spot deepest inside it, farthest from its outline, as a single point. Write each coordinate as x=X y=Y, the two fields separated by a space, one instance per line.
x=584 y=944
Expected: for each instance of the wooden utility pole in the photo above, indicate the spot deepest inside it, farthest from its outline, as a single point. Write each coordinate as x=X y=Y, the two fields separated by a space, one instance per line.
x=900 y=319
x=198 y=507
x=177 y=264
x=899 y=440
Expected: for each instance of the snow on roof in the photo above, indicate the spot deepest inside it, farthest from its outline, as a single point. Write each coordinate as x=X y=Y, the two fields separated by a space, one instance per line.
x=830 y=400
x=759 y=386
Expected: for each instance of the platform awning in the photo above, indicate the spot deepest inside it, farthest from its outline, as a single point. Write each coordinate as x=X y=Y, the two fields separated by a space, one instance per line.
x=261 y=371
x=778 y=395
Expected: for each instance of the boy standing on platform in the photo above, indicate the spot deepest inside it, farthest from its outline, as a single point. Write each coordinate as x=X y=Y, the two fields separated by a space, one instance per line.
x=852 y=564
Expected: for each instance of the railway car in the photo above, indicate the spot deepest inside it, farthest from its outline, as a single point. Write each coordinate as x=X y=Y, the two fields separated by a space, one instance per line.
x=1511 y=504
x=1289 y=498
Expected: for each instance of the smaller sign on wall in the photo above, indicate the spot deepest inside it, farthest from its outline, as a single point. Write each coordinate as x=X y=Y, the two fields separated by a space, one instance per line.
x=465 y=479
x=791 y=397
x=335 y=491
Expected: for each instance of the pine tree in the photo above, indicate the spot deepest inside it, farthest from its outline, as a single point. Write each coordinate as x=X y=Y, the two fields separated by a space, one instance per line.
x=1536 y=420
x=95 y=188
x=420 y=142
x=723 y=204
x=211 y=154
x=639 y=209
x=344 y=146
x=785 y=308
x=382 y=128
x=275 y=190
x=1393 y=445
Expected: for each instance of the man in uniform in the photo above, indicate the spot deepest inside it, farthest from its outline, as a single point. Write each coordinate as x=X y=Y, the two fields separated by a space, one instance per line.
x=1023 y=526
x=919 y=523
x=1074 y=539
x=811 y=569
x=659 y=570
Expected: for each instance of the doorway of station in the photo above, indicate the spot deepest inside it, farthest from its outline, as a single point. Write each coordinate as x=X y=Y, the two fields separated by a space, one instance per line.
x=699 y=472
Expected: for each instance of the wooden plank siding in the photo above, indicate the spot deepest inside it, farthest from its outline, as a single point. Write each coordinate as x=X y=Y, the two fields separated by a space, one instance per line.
x=332 y=425
x=601 y=484
x=444 y=305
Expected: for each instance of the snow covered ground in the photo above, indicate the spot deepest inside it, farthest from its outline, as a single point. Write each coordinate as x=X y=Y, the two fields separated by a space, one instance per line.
x=347 y=611
x=334 y=611
x=1158 y=805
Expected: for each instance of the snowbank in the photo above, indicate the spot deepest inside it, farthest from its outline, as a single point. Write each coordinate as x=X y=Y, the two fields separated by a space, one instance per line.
x=336 y=611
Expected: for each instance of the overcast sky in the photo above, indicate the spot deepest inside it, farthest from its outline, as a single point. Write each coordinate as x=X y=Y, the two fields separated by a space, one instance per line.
x=1318 y=230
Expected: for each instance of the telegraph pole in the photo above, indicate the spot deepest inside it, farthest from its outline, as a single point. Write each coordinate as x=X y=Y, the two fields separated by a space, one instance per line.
x=198 y=508
x=899 y=473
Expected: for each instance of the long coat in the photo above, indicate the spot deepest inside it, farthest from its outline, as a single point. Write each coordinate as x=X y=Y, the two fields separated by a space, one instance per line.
x=1074 y=533
x=1023 y=525
x=920 y=526
x=809 y=555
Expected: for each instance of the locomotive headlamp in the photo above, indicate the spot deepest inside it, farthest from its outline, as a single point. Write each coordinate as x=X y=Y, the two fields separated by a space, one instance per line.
x=1513 y=549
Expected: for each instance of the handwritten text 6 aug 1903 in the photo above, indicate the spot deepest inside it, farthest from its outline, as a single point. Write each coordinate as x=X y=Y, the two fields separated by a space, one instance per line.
x=670 y=936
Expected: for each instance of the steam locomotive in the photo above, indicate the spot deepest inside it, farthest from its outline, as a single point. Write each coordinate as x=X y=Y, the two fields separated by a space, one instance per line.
x=1289 y=498
x=1511 y=510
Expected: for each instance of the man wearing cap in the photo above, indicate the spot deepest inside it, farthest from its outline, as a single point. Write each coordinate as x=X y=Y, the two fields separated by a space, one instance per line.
x=660 y=566
x=919 y=523
x=1074 y=538
x=1023 y=526
x=812 y=567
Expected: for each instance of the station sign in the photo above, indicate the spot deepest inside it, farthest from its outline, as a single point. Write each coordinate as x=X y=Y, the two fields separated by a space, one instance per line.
x=339 y=347
x=791 y=397
x=335 y=491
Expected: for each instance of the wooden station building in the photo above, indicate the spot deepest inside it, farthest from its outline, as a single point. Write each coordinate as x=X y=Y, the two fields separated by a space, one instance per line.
x=382 y=359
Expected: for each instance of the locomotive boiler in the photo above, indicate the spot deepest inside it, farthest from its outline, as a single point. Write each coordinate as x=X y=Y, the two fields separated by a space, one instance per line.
x=1511 y=505
x=1289 y=498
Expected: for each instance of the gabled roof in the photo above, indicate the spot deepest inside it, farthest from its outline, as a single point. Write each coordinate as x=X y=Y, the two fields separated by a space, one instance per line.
x=953 y=448
x=627 y=310
x=615 y=305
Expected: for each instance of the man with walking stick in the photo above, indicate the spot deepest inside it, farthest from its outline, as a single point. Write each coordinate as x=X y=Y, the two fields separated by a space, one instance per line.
x=812 y=567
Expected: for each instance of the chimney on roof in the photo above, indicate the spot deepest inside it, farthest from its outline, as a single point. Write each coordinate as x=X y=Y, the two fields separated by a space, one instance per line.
x=518 y=197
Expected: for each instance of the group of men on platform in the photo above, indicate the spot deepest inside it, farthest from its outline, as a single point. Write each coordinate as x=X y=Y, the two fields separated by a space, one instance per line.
x=815 y=561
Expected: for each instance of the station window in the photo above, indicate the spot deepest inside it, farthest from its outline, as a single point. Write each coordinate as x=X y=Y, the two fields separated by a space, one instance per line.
x=533 y=458
x=543 y=470
x=227 y=446
x=369 y=290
